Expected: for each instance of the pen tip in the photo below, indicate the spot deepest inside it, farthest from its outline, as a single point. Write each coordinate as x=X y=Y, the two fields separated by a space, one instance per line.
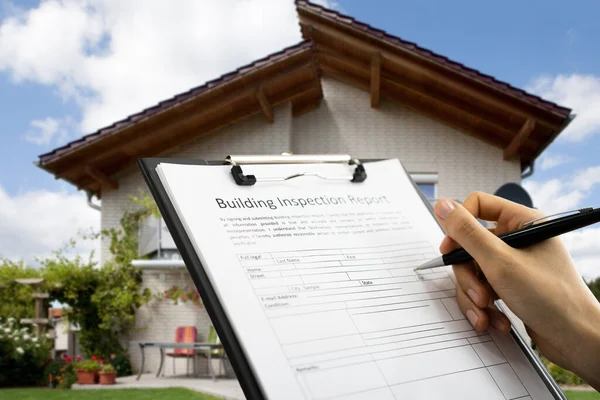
x=436 y=262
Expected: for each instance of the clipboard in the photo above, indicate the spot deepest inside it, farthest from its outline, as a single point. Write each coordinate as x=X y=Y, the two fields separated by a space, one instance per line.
x=231 y=344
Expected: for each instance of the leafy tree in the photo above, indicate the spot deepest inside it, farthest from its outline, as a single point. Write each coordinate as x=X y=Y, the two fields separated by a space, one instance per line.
x=594 y=286
x=101 y=301
x=15 y=298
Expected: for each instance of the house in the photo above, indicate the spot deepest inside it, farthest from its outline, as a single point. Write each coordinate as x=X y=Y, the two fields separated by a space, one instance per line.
x=346 y=88
x=64 y=334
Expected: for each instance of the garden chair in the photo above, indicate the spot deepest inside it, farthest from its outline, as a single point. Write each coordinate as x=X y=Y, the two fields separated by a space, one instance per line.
x=215 y=354
x=184 y=334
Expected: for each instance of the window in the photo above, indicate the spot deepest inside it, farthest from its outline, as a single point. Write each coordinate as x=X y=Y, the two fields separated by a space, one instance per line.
x=428 y=190
x=427 y=183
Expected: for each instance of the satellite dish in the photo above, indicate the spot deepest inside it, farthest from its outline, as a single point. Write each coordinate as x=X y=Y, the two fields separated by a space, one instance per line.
x=514 y=192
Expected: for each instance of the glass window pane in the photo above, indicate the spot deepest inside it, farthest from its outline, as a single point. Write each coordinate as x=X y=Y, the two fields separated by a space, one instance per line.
x=428 y=190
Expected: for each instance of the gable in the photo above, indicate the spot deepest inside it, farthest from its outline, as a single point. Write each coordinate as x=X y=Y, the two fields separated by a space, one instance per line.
x=336 y=46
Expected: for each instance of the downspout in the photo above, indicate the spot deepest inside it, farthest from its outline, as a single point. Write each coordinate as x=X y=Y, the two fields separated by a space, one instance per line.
x=529 y=172
x=89 y=201
x=566 y=123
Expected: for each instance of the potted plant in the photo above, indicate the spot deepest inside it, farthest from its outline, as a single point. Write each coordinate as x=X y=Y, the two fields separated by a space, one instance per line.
x=87 y=371
x=108 y=375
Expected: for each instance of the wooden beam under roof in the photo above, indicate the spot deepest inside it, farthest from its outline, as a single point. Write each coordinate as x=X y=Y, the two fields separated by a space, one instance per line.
x=321 y=33
x=351 y=62
x=449 y=117
x=375 y=79
x=182 y=137
x=478 y=118
x=264 y=104
x=101 y=177
x=512 y=150
x=190 y=119
x=267 y=74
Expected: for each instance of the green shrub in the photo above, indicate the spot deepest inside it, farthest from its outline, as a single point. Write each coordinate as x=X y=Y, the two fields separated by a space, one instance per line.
x=561 y=375
x=22 y=356
x=87 y=365
x=122 y=364
x=60 y=373
x=15 y=298
x=107 y=368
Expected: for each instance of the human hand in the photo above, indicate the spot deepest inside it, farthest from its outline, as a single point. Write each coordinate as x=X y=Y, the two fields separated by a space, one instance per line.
x=539 y=284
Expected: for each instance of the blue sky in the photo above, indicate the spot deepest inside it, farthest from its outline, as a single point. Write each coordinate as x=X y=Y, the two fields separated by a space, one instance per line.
x=67 y=69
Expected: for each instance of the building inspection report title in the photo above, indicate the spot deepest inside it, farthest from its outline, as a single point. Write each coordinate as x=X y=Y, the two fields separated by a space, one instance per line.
x=250 y=202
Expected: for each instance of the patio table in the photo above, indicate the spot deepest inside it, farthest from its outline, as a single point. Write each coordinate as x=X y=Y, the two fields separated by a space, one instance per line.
x=197 y=346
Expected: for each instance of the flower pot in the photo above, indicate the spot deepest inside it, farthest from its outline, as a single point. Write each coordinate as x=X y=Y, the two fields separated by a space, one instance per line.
x=108 y=378
x=86 y=377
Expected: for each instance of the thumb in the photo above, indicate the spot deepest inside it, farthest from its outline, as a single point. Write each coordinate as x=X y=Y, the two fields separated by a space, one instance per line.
x=460 y=225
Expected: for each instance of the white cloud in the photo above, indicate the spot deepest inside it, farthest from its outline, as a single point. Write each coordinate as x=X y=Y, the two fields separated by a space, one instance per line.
x=327 y=4
x=36 y=223
x=568 y=193
x=43 y=131
x=587 y=178
x=579 y=92
x=114 y=58
x=565 y=193
x=584 y=249
x=553 y=196
x=548 y=161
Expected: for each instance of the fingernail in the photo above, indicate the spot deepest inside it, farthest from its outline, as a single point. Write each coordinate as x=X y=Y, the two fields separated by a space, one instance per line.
x=443 y=208
x=472 y=317
x=473 y=295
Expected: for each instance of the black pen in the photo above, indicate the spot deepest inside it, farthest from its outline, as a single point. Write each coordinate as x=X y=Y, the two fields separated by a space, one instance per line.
x=530 y=234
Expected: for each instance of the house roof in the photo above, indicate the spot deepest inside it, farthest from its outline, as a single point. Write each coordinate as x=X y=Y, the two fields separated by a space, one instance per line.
x=336 y=46
x=174 y=101
x=350 y=22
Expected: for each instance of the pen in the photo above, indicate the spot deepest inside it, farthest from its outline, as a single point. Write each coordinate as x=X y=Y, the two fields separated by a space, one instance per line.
x=529 y=235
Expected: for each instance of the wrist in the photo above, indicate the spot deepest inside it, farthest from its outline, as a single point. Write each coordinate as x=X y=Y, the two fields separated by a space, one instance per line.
x=587 y=364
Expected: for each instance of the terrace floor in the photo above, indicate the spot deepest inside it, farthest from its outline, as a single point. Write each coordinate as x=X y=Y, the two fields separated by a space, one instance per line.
x=224 y=388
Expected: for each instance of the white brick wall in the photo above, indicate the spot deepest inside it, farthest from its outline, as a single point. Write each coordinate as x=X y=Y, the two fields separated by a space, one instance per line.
x=252 y=136
x=344 y=123
x=158 y=319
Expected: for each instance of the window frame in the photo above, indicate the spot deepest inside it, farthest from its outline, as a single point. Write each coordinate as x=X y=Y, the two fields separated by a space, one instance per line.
x=427 y=178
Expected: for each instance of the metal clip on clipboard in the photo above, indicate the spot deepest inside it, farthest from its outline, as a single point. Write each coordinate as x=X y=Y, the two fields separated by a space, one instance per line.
x=242 y=179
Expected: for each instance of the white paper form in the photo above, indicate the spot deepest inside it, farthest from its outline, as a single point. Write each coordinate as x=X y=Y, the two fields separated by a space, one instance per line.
x=317 y=279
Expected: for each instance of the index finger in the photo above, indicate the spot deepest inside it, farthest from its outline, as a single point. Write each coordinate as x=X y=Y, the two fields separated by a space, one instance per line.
x=493 y=208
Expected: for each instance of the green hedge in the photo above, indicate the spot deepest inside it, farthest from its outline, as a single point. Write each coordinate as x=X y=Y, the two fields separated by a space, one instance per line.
x=22 y=356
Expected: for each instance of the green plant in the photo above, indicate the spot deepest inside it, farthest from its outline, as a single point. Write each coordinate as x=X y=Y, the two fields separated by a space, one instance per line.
x=15 y=298
x=178 y=294
x=561 y=375
x=146 y=203
x=87 y=365
x=101 y=301
x=107 y=368
x=60 y=373
x=69 y=378
x=594 y=286
x=23 y=357
x=122 y=364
